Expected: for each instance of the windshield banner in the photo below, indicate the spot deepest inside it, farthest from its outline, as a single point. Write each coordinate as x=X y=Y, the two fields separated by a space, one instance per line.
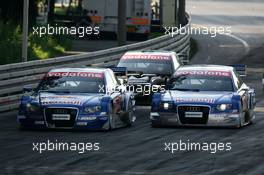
x=205 y=73
x=146 y=57
x=75 y=74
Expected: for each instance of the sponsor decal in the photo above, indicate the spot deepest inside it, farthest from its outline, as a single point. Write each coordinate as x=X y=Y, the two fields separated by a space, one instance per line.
x=205 y=73
x=205 y=100
x=58 y=97
x=73 y=102
x=75 y=74
x=63 y=100
x=88 y=118
x=146 y=57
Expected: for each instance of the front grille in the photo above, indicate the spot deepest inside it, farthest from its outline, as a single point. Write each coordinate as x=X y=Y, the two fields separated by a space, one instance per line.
x=193 y=120
x=49 y=113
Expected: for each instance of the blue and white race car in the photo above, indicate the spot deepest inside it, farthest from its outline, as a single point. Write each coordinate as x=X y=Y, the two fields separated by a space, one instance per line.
x=204 y=95
x=77 y=98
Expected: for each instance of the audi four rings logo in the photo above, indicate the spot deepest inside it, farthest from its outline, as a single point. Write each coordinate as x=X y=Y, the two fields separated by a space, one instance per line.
x=192 y=108
x=60 y=111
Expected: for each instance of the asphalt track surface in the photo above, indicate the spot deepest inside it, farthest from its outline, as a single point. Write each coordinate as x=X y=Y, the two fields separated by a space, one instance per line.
x=140 y=149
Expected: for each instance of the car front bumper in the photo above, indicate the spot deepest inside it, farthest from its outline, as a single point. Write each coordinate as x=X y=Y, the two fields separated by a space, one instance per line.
x=88 y=122
x=172 y=119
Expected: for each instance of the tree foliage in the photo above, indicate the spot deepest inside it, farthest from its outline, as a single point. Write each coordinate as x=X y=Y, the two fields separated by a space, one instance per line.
x=11 y=11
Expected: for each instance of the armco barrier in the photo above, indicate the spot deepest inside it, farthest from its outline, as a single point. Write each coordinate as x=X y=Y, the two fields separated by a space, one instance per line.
x=14 y=76
x=263 y=81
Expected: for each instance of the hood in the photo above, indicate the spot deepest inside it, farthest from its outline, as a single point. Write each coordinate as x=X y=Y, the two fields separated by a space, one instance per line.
x=205 y=97
x=69 y=99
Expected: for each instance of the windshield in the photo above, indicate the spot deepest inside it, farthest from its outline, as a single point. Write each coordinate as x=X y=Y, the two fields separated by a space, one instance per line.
x=201 y=83
x=162 y=67
x=72 y=84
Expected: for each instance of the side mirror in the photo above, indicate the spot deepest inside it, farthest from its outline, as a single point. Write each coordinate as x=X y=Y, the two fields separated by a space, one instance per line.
x=245 y=89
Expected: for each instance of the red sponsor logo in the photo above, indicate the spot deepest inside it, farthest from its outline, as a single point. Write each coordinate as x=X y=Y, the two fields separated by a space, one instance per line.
x=75 y=74
x=146 y=57
x=205 y=73
x=205 y=100
x=52 y=102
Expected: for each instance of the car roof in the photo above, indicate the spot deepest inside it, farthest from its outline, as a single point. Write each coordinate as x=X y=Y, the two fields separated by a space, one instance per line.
x=206 y=67
x=94 y=70
x=150 y=52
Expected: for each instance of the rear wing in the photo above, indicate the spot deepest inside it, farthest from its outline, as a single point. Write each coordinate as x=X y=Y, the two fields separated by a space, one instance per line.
x=119 y=71
x=241 y=69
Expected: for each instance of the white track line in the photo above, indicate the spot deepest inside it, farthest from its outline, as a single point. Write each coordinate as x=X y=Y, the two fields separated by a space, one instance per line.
x=244 y=43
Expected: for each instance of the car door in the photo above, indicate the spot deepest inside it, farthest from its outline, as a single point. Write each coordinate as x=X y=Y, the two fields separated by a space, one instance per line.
x=117 y=96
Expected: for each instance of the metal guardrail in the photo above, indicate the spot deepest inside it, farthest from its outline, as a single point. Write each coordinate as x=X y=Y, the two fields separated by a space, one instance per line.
x=14 y=76
x=263 y=81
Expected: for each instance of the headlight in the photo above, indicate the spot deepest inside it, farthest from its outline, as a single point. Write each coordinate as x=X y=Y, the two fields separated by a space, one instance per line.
x=32 y=107
x=92 y=109
x=223 y=107
x=166 y=105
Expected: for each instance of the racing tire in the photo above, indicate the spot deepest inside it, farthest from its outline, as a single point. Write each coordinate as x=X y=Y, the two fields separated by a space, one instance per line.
x=130 y=121
x=111 y=122
x=250 y=119
x=130 y=114
x=241 y=121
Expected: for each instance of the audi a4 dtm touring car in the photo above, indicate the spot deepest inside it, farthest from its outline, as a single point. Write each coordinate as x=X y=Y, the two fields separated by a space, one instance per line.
x=148 y=71
x=77 y=98
x=204 y=95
